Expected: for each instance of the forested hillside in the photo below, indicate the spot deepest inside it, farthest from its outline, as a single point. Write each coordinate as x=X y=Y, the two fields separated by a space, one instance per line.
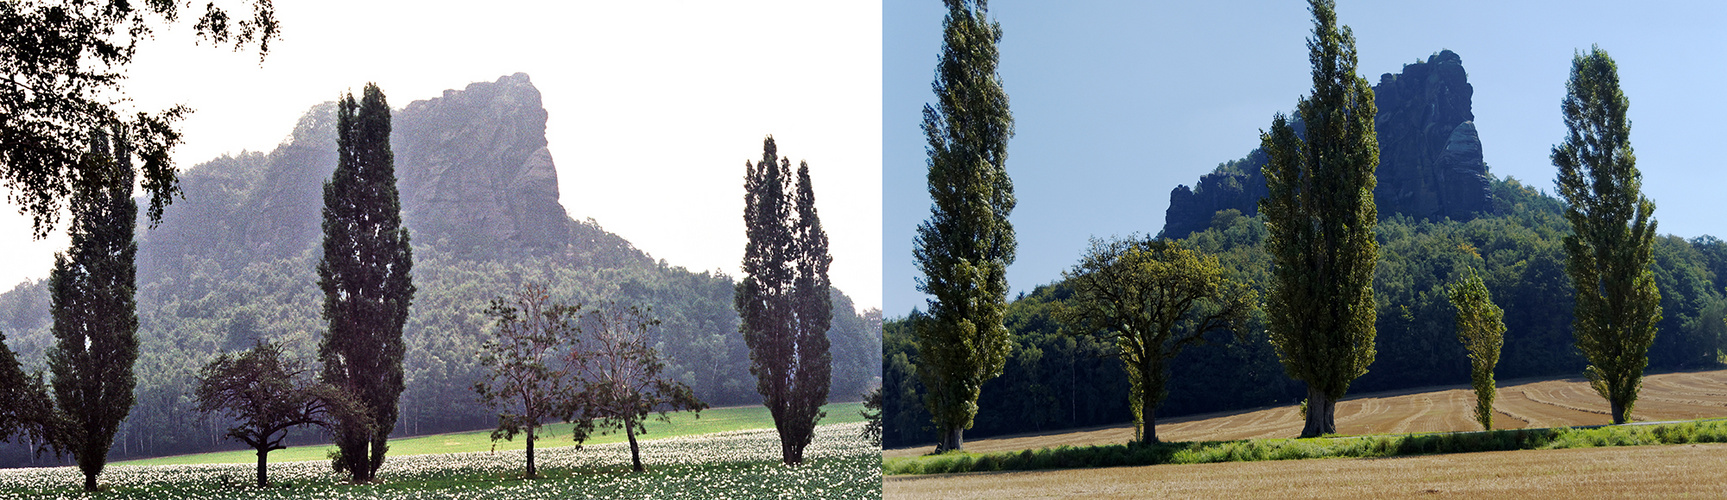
x=233 y=262
x=1054 y=380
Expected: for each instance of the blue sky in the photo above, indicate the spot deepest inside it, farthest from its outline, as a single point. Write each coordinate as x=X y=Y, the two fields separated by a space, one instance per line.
x=1117 y=102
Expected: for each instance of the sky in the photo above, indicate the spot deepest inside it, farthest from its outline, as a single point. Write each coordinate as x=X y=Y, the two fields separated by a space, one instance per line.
x=654 y=106
x=1117 y=102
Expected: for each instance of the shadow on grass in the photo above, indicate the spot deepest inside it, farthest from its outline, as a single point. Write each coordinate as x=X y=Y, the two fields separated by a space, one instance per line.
x=1251 y=450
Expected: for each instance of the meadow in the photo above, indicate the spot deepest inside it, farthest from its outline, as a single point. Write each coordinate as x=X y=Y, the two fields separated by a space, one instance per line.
x=682 y=424
x=728 y=464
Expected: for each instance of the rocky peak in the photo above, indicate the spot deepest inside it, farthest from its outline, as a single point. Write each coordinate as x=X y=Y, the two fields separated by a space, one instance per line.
x=1430 y=163
x=473 y=168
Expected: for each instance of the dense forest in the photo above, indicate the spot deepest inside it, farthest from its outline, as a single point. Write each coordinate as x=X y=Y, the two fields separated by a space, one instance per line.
x=233 y=262
x=1054 y=380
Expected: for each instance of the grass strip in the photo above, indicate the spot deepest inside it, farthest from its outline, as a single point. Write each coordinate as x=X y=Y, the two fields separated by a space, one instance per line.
x=1250 y=450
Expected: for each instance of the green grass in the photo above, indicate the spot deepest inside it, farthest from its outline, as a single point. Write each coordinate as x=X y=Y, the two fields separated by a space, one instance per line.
x=1389 y=445
x=682 y=424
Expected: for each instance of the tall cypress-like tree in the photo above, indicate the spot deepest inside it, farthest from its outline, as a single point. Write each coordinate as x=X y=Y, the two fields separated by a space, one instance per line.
x=365 y=273
x=1319 y=217
x=812 y=307
x=1613 y=239
x=95 y=315
x=966 y=245
x=783 y=299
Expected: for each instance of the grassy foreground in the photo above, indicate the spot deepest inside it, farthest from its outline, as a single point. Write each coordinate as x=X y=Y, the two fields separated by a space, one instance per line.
x=1067 y=457
x=736 y=464
x=682 y=424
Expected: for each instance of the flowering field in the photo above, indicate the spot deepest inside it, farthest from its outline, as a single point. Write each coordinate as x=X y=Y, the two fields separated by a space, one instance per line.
x=738 y=464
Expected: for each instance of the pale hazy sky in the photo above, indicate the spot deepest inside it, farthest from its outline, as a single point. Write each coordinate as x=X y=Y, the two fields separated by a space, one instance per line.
x=654 y=106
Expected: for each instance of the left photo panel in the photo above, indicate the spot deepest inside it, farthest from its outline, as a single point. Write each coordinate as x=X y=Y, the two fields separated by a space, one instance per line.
x=440 y=250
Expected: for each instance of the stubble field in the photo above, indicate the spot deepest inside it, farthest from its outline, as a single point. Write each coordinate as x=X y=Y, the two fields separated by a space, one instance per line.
x=1521 y=403
x=1679 y=471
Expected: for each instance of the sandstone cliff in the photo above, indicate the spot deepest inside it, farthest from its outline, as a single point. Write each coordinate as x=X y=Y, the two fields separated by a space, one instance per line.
x=474 y=173
x=1430 y=163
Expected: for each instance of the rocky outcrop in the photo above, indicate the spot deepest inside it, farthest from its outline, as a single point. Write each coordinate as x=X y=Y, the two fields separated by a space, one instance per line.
x=1430 y=163
x=472 y=168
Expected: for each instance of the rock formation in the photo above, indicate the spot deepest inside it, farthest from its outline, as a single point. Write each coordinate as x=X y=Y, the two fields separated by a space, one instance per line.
x=1430 y=163
x=472 y=167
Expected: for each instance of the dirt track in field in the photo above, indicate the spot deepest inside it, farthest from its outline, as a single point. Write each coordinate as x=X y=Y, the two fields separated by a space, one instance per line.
x=1521 y=403
x=1677 y=471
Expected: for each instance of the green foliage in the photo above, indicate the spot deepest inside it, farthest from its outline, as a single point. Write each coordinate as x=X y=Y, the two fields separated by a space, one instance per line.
x=28 y=414
x=1609 y=253
x=366 y=276
x=964 y=248
x=1321 y=216
x=784 y=301
x=1055 y=382
x=530 y=378
x=95 y=313
x=621 y=381
x=1482 y=331
x=1253 y=450
x=872 y=414
x=267 y=395
x=1137 y=293
x=65 y=62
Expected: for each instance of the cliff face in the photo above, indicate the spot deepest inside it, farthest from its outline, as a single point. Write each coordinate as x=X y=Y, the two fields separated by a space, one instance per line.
x=472 y=169
x=1430 y=163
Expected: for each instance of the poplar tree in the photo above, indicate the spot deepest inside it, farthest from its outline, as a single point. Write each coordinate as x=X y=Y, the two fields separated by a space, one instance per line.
x=365 y=276
x=95 y=316
x=1319 y=217
x=1481 y=328
x=1609 y=252
x=965 y=246
x=783 y=300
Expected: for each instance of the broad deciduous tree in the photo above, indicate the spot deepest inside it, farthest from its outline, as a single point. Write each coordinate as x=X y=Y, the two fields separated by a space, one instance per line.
x=65 y=64
x=784 y=299
x=1152 y=298
x=1612 y=243
x=964 y=248
x=365 y=274
x=95 y=313
x=621 y=379
x=1320 y=218
x=529 y=378
x=267 y=394
x=1481 y=328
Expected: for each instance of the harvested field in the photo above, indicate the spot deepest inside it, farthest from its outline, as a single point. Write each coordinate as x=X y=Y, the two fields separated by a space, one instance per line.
x=1697 y=470
x=1521 y=403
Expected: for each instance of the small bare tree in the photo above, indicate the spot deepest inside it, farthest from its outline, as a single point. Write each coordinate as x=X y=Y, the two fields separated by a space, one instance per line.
x=621 y=376
x=530 y=379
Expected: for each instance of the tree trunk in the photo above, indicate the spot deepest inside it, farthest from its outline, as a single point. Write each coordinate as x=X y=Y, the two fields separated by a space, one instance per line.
x=952 y=439
x=635 y=452
x=531 y=472
x=263 y=482
x=1150 y=389
x=89 y=482
x=1321 y=414
x=1618 y=407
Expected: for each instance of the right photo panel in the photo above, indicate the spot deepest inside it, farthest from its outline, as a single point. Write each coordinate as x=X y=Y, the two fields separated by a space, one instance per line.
x=1303 y=249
